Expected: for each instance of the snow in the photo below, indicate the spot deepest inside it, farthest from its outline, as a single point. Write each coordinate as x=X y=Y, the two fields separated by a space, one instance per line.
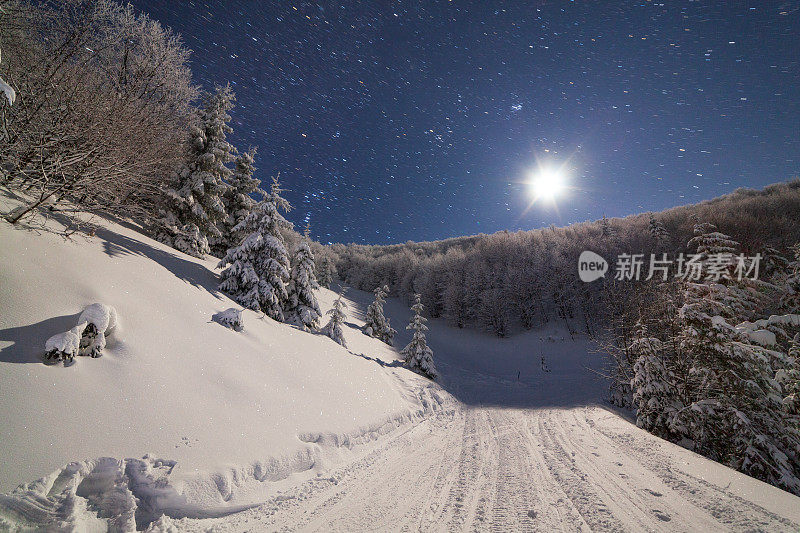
x=221 y=404
x=756 y=332
x=186 y=425
x=66 y=343
x=230 y=318
x=103 y=316
x=8 y=91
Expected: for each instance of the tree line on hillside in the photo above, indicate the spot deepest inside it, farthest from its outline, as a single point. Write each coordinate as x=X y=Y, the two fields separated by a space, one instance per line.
x=511 y=281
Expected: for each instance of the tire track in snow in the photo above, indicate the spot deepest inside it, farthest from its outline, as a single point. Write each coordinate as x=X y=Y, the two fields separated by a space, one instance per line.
x=494 y=469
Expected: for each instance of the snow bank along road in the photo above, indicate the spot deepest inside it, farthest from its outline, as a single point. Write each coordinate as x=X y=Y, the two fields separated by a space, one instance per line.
x=497 y=469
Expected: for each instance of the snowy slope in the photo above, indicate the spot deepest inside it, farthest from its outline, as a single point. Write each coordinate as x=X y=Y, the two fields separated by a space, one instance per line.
x=216 y=410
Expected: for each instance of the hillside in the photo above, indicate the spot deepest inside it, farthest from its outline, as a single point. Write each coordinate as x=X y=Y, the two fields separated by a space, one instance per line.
x=228 y=409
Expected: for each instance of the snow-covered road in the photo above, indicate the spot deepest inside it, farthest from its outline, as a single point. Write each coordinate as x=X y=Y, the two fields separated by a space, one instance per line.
x=524 y=449
x=498 y=469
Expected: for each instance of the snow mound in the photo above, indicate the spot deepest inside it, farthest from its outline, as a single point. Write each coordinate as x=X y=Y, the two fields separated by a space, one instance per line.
x=104 y=317
x=64 y=345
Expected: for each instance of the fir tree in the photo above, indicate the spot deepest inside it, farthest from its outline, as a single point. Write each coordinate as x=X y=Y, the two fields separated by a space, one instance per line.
x=607 y=231
x=376 y=324
x=791 y=382
x=302 y=305
x=732 y=411
x=195 y=211
x=418 y=356
x=651 y=384
x=790 y=300
x=333 y=328
x=238 y=197
x=258 y=269
x=325 y=271
x=708 y=241
x=657 y=231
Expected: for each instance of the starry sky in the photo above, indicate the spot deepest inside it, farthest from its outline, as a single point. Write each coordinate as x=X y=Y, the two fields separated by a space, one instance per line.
x=419 y=120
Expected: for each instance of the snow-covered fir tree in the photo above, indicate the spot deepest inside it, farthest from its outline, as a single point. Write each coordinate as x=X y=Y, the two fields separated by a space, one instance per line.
x=333 y=328
x=257 y=270
x=790 y=300
x=791 y=381
x=194 y=213
x=607 y=230
x=652 y=384
x=657 y=231
x=418 y=356
x=325 y=271
x=302 y=307
x=238 y=198
x=733 y=410
x=376 y=324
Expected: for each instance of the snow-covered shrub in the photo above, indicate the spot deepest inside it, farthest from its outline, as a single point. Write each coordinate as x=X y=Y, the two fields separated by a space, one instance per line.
x=65 y=346
x=418 y=356
x=100 y=320
x=230 y=318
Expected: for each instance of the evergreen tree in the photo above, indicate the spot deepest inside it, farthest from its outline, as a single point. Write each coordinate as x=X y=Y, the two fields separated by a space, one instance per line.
x=302 y=305
x=733 y=409
x=376 y=324
x=333 y=328
x=790 y=300
x=238 y=197
x=418 y=356
x=607 y=230
x=708 y=241
x=195 y=212
x=791 y=382
x=651 y=384
x=258 y=269
x=657 y=231
x=325 y=271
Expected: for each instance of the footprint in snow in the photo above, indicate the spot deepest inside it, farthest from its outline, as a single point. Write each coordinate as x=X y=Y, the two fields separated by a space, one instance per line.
x=664 y=517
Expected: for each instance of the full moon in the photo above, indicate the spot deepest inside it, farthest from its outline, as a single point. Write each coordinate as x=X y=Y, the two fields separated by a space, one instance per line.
x=547 y=183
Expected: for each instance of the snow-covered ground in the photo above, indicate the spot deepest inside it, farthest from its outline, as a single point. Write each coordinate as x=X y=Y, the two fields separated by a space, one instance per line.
x=276 y=429
x=204 y=419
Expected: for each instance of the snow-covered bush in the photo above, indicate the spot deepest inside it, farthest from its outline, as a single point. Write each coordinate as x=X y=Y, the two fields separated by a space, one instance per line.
x=230 y=318
x=65 y=346
x=100 y=320
x=418 y=356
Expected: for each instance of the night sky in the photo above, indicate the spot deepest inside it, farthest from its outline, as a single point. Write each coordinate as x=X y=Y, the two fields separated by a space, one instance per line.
x=395 y=121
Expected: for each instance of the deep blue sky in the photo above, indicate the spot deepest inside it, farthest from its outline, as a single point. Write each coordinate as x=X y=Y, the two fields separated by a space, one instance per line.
x=391 y=121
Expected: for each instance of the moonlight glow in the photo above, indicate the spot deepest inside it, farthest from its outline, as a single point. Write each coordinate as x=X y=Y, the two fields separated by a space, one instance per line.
x=548 y=183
